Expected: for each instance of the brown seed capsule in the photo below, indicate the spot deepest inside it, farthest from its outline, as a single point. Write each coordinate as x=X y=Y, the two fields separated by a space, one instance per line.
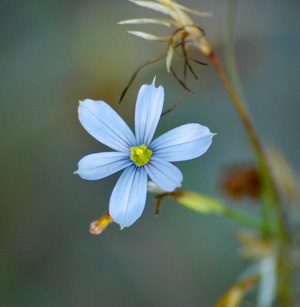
x=240 y=181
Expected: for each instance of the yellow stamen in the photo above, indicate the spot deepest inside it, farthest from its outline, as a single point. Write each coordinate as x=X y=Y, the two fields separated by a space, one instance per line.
x=140 y=155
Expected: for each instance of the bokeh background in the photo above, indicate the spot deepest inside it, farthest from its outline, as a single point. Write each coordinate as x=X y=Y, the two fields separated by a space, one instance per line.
x=54 y=53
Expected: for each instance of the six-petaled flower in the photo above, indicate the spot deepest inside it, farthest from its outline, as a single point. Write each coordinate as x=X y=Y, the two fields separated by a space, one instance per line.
x=137 y=154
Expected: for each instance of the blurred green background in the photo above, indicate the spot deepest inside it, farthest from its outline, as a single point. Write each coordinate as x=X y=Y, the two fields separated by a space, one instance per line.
x=54 y=53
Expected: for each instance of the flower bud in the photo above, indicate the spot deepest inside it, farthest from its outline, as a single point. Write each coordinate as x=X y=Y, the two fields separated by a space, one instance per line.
x=199 y=202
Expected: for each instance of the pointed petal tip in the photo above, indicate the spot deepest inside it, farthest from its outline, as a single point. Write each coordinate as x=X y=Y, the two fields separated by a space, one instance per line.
x=83 y=101
x=182 y=143
x=97 y=166
x=148 y=111
x=76 y=172
x=153 y=82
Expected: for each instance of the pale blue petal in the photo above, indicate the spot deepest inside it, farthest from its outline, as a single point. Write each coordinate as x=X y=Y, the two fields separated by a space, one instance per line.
x=165 y=175
x=100 y=165
x=148 y=110
x=183 y=143
x=104 y=124
x=128 y=199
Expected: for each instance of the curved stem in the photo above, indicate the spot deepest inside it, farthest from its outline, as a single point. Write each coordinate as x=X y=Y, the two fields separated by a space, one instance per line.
x=270 y=194
x=239 y=107
x=230 y=57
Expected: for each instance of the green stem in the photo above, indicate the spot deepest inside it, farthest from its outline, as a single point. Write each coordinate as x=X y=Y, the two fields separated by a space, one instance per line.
x=230 y=57
x=244 y=219
x=285 y=285
x=270 y=194
x=207 y=205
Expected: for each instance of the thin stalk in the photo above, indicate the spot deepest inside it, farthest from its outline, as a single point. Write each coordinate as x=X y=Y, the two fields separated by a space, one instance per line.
x=230 y=57
x=285 y=285
x=244 y=219
x=239 y=107
x=270 y=195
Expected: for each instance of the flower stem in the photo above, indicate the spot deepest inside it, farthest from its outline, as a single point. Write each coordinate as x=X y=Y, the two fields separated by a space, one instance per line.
x=270 y=194
x=239 y=106
x=244 y=219
x=285 y=285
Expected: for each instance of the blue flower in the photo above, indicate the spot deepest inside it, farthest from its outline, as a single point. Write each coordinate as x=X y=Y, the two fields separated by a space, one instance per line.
x=136 y=153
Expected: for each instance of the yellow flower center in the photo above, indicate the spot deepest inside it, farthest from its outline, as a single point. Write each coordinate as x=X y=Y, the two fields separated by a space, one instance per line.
x=139 y=151
x=141 y=155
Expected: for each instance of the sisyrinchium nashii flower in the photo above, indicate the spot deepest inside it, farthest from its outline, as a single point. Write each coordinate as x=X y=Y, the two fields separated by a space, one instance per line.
x=137 y=154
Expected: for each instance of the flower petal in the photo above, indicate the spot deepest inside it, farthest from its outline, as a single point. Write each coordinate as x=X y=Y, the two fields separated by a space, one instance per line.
x=128 y=199
x=155 y=6
x=104 y=124
x=100 y=165
x=165 y=175
x=148 y=110
x=149 y=36
x=163 y=22
x=192 y=11
x=183 y=143
x=170 y=54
